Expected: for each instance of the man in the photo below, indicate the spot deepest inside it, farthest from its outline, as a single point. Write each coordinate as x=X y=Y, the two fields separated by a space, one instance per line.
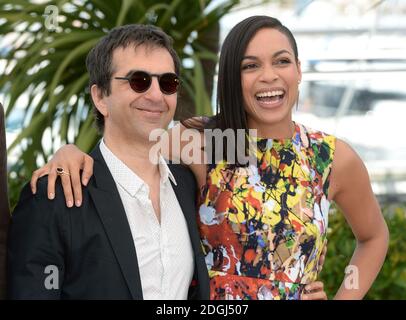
x=134 y=235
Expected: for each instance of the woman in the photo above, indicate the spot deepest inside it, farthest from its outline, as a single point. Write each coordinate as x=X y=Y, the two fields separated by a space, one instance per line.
x=263 y=225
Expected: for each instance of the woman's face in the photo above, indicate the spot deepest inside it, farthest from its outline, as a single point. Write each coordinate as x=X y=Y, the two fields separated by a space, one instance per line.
x=269 y=78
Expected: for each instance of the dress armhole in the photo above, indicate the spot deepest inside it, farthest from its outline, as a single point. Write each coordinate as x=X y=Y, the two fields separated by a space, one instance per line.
x=330 y=140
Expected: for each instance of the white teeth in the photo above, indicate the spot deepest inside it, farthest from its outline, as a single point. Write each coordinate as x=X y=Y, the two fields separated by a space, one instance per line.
x=153 y=111
x=269 y=94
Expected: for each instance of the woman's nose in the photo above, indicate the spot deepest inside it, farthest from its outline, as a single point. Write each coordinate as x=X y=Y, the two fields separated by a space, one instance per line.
x=268 y=74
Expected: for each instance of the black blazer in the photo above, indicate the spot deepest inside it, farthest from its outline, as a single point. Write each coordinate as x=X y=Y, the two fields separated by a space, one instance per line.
x=91 y=247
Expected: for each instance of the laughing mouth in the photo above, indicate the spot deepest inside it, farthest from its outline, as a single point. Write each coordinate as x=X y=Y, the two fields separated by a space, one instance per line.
x=270 y=96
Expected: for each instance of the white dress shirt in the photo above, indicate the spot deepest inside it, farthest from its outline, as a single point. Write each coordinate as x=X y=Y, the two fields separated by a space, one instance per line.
x=164 y=251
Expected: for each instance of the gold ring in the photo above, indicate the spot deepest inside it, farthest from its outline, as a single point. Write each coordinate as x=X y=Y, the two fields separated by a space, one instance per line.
x=60 y=171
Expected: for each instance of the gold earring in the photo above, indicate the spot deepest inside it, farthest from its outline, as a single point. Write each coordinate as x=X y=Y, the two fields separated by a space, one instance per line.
x=297 y=100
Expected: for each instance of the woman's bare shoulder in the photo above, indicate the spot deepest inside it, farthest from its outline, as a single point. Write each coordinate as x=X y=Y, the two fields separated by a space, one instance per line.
x=347 y=166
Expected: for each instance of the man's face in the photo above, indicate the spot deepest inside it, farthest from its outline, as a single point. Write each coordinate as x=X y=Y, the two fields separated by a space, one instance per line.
x=132 y=115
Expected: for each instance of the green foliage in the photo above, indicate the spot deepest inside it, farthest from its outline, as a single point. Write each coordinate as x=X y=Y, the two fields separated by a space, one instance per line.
x=391 y=281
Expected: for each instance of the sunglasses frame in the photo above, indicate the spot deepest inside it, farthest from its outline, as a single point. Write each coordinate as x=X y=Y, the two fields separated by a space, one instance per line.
x=151 y=75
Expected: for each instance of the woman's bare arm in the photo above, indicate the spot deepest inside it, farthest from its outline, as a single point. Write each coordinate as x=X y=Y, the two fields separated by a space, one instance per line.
x=351 y=190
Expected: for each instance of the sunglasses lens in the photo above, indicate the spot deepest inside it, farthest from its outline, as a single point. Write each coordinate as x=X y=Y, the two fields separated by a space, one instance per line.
x=169 y=83
x=140 y=81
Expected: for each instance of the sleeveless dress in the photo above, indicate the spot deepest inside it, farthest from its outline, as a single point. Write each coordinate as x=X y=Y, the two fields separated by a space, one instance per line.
x=263 y=226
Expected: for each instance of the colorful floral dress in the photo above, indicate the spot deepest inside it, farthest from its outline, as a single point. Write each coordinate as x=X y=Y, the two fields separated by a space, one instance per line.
x=263 y=226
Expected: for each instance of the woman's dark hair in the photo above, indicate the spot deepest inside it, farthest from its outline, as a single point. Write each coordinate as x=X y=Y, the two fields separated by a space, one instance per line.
x=99 y=59
x=230 y=111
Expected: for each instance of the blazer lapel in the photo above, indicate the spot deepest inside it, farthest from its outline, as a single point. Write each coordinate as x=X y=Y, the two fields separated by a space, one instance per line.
x=112 y=214
x=188 y=206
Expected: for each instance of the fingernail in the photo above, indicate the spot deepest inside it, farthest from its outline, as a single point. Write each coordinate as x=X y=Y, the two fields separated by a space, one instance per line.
x=69 y=204
x=85 y=181
x=78 y=203
x=33 y=191
x=51 y=196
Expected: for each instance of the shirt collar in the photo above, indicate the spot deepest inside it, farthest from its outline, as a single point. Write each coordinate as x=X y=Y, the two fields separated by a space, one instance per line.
x=127 y=178
x=164 y=170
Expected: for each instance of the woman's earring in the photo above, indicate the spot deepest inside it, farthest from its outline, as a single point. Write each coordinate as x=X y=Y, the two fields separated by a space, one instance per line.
x=297 y=100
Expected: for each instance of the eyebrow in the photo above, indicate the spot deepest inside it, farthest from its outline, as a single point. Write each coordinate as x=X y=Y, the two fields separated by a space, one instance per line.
x=278 y=53
x=129 y=73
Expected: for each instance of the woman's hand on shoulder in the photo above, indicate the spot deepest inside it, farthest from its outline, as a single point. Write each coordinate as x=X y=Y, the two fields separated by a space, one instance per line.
x=71 y=159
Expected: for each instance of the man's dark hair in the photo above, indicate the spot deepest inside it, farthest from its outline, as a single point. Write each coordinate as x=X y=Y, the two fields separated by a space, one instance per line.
x=99 y=59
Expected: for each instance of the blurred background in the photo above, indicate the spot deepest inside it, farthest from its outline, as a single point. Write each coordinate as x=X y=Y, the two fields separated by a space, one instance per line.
x=353 y=56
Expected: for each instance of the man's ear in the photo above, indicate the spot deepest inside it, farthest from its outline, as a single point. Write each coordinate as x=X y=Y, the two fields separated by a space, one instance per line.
x=99 y=100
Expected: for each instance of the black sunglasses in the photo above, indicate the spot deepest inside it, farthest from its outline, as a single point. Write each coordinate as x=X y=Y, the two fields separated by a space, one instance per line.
x=140 y=81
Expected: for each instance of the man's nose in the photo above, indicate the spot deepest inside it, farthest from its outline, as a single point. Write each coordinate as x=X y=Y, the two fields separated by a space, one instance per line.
x=154 y=91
